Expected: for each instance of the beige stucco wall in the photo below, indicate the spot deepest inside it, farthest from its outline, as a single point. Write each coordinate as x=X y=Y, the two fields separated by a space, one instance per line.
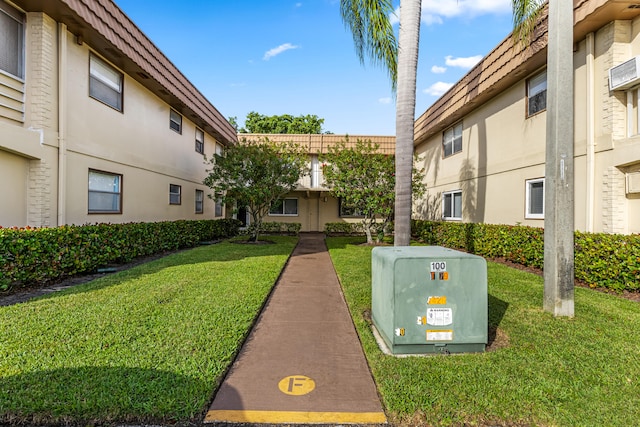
x=502 y=148
x=136 y=143
x=315 y=210
x=15 y=173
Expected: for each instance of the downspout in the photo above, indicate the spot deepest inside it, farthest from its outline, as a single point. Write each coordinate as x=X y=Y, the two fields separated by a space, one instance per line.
x=62 y=119
x=591 y=145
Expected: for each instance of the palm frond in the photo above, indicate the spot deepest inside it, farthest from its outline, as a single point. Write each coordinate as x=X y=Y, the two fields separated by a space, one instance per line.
x=373 y=36
x=526 y=14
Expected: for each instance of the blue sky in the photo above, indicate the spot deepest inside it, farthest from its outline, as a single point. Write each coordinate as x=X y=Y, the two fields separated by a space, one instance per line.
x=297 y=57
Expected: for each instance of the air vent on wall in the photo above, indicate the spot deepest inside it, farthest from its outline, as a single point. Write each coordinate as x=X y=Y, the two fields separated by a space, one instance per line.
x=625 y=75
x=633 y=183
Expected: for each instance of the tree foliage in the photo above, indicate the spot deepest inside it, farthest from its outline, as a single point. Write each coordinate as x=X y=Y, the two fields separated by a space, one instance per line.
x=285 y=123
x=364 y=179
x=255 y=174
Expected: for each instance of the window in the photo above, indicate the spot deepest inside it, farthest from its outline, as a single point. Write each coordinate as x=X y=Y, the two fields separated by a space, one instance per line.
x=315 y=173
x=199 y=201
x=218 y=206
x=346 y=210
x=219 y=149
x=175 y=197
x=105 y=192
x=535 y=199
x=199 y=141
x=105 y=83
x=452 y=140
x=284 y=207
x=11 y=41
x=175 y=121
x=537 y=94
x=452 y=205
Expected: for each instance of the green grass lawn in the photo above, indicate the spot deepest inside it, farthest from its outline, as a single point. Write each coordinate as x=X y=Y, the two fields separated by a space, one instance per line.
x=549 y=371
x=147 y=344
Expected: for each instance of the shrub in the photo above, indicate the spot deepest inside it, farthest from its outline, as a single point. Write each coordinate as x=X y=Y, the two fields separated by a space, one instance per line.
x=292 y=228
x=601 y=260
x=342 y=228
x=39 y=255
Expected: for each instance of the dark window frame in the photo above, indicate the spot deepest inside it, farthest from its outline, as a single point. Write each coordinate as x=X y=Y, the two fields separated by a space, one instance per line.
x=451 y=141
x=283 y=204
x=119 y=193
x=96 y=83
x=345 y=211
x=173 y=194
x=537 y=102
x=199 y=143
x=175 y=123
x=199 y=208
x=18 y=69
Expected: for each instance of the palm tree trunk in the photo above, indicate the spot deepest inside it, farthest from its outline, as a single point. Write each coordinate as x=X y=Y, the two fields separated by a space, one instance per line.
x=408 y=40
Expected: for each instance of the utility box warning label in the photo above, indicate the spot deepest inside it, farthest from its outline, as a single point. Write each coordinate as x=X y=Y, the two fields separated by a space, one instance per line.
x=440 y=335
x=439 y=316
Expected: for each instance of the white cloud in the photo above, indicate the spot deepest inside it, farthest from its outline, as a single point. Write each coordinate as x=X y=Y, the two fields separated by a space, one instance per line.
x=278 y=50
x=465 y=63
x=438 y=70
x=433 y=11
x=468 y=8
x=438 y=89
x=298 y=5
x=386 y=100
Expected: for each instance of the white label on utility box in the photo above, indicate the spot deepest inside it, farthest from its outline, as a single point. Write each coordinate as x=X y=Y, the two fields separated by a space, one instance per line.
x=439 y=316
x=442 y=335
x=438 y=266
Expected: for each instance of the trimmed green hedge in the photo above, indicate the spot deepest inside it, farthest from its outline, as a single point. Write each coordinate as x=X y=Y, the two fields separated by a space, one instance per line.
x=39 y=255
x=601 y=260
x=342 y=228
x=278 y=228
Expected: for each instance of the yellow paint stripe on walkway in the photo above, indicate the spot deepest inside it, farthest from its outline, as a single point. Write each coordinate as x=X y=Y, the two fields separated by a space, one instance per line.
x=295 y=417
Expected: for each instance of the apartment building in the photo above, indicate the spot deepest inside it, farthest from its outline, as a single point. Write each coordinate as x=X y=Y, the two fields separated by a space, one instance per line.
x=483 y=142
x=311 y=204
x=96 y=124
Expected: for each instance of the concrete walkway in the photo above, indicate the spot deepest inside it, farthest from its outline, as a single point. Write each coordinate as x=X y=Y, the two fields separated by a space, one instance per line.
x=302 y=362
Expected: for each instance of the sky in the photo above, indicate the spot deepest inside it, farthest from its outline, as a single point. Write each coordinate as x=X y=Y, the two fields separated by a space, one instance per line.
x=293 y=57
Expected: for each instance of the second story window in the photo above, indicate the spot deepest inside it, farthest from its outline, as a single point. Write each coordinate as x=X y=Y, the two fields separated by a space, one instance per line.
x=537 y=94
x=175 y=121
x=11 y=41
x=105 y=83
x=452 y=140
x=199 y=141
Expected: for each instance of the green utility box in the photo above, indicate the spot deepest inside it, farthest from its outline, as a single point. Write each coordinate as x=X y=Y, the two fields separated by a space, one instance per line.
x=429 y=299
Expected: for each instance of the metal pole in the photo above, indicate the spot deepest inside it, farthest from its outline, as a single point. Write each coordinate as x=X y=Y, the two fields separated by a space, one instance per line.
x=559 y=174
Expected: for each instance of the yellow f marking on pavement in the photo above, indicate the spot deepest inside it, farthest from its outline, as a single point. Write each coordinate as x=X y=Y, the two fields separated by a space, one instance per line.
x=296 y=385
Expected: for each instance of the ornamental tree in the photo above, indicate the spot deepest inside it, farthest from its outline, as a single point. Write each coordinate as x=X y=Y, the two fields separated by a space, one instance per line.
x=364 y=179
x=285 y=123
x=255 y=174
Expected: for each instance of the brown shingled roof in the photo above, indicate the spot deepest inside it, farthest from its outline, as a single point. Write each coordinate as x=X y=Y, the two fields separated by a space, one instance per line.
x=508 y=63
